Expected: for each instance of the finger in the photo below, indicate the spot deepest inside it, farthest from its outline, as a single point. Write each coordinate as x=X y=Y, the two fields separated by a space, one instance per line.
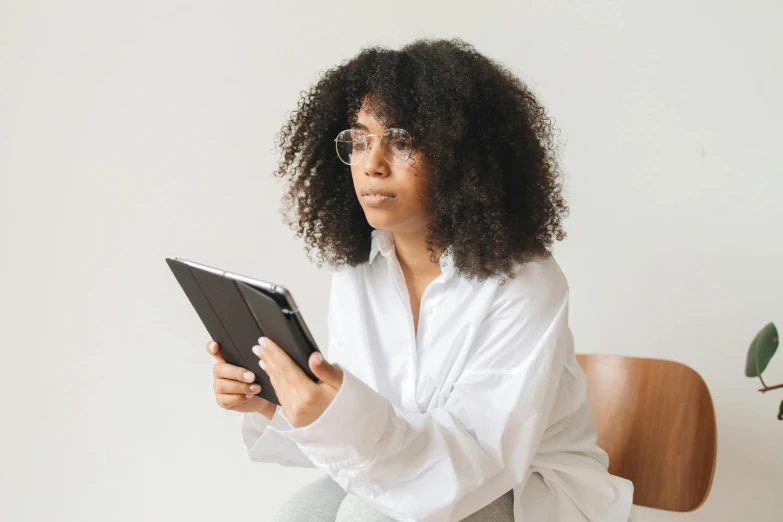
x=328 y=373
x=228 y=386
x=214 y=350
x=274 y=361
x=229 y=371
x=231 y=401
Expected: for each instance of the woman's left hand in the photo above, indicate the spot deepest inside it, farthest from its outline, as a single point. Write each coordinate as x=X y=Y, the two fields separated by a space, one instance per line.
x=302 y=400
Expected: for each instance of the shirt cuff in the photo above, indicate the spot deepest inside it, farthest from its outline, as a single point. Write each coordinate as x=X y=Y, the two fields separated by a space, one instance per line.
x=348 y=431
x=253 y=426
x=263 y=444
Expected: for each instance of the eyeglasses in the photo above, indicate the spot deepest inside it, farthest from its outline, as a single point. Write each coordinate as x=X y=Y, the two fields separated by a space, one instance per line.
x=396 y=145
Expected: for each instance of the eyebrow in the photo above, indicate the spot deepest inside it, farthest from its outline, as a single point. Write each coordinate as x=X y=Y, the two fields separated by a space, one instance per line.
x=364 y=127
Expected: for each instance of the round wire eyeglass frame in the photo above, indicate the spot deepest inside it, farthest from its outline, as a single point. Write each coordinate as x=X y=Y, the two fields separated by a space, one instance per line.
x=368 y=145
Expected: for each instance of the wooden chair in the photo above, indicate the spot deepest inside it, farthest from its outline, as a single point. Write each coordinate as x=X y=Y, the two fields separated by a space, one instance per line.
x=656 y=421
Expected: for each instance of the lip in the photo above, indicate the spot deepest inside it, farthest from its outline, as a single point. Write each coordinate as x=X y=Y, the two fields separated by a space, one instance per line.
x=375 y=196
x=375 y=190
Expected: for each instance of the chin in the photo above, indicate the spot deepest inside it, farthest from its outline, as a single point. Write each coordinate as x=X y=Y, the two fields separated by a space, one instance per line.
x=383 y=224
x=379 y=219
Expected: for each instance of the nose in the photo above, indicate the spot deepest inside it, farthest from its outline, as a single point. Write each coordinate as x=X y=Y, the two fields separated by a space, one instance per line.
x=373 y=161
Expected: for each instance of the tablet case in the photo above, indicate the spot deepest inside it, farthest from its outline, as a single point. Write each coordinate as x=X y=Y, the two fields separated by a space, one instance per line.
x=236 y=314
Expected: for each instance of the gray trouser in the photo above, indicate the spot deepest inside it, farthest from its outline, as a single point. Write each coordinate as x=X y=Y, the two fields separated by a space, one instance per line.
x=325 y=501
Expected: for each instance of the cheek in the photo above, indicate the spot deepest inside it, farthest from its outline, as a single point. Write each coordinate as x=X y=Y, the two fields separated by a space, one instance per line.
x=355 y=177
x=416 y=186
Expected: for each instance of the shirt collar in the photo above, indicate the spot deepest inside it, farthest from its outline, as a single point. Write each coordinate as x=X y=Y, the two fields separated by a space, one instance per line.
x=447 y=262
x=383 y=243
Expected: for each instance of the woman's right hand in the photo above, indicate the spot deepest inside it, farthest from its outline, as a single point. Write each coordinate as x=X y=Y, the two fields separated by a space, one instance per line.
x=234 y=389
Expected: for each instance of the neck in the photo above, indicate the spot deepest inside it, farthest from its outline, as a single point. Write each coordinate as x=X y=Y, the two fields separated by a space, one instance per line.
x=414 y=258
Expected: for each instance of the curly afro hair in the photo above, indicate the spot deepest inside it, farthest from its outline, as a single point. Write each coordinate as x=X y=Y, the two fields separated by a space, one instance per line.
x=494 y=189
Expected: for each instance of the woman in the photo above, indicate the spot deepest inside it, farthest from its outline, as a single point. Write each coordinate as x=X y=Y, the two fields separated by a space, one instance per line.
x=428 y=178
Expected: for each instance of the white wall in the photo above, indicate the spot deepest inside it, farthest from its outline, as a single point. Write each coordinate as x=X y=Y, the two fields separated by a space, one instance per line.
x=132 y=131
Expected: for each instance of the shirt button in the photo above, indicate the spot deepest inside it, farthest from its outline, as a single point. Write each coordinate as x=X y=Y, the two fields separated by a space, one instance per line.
x=432 y=309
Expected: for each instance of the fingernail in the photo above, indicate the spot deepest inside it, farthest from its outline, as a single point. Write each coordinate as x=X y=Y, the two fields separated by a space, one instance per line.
x=249 y=395
x=257 y=350
x=318 y=358
x=263 y=341
x=262 y=365
x=255 y=388
x=249 y=376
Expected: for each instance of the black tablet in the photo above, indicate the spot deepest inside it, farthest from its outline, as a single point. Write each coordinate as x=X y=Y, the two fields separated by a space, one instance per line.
x=237 y=310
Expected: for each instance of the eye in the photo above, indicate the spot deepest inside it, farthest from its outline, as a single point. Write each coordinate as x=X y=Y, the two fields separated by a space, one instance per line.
x=398 y=139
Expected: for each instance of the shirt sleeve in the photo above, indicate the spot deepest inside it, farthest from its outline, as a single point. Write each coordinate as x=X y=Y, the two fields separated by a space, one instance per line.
x=451 y=461
x=262 y=437
x=267 y=445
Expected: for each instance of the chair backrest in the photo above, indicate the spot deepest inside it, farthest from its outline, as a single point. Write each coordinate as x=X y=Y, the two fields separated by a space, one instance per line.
x=656 y=421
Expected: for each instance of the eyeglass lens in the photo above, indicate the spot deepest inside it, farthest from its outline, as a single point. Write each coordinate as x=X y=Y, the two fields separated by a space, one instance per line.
x=352 y=144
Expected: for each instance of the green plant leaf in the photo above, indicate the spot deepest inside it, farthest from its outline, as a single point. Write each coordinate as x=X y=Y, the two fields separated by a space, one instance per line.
x=780 y=413
x=761 y=350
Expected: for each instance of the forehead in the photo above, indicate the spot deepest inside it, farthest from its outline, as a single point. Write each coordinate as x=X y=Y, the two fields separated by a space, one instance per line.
x=377 y=113
x=367 y=121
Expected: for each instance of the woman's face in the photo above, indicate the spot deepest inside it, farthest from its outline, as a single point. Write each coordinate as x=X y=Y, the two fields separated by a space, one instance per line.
x=389 y=194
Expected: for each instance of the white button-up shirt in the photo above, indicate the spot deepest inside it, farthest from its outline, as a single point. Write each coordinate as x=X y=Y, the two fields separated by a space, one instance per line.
x=434 y=424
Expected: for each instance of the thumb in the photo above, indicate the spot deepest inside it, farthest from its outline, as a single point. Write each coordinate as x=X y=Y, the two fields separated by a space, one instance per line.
x=328 y=373
x=213 y=349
